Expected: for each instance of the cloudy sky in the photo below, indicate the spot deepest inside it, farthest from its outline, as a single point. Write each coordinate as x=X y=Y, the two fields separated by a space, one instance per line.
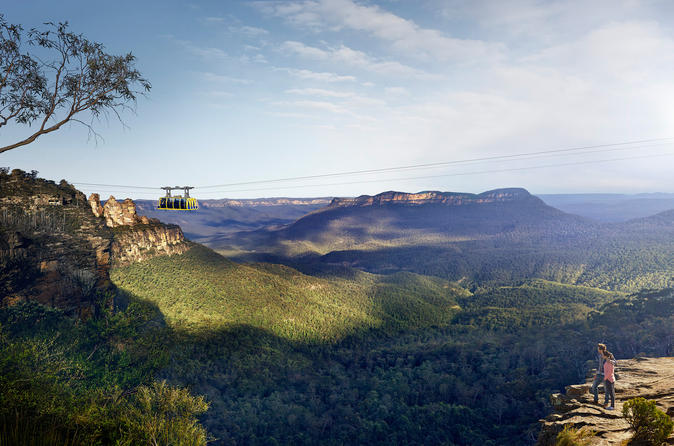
x=260 y=90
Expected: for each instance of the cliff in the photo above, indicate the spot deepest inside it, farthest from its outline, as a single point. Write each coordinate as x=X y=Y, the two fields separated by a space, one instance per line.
x=434 y=197
x=650 y=378
x=136 y=238
x=57 y=247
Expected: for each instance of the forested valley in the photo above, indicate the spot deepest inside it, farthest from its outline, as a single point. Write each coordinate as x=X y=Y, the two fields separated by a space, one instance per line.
x=191 y=347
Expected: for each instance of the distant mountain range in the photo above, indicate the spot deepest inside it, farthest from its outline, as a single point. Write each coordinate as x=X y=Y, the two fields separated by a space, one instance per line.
x=222 y=217
x=498 y=236
x=611 y=207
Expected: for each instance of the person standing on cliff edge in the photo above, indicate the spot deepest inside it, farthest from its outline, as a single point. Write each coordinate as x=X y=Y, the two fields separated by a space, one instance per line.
x=609 y=379
x=599 y=376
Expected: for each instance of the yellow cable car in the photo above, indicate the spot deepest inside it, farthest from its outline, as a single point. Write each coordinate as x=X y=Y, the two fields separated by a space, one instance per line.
x=178 y=203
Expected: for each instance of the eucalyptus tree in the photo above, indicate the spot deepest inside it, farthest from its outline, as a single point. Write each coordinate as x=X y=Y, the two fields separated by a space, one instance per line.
x=52 y=76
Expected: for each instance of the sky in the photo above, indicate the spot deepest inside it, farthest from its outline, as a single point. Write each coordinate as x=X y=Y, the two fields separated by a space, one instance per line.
x=247 y=91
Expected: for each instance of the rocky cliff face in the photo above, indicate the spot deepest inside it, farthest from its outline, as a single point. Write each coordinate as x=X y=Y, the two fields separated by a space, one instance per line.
x=52 y=248
x=650 y=378
x=57 y=247
x=433 y=197
x=147 y=241
x=137 y=238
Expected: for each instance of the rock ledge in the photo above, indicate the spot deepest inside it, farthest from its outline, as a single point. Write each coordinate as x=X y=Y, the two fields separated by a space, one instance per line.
x=650 y=378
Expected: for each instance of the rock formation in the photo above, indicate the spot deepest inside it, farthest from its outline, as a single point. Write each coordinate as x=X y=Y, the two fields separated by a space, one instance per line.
x=650 y=378
x=95 y=203
x=144 y=242
x=119 y=214
x=57 y=247
x=433 y=197
x=137 y=238
x=53 y=250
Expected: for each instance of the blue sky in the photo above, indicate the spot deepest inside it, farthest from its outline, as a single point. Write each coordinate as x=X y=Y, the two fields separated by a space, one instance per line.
x=257 y=90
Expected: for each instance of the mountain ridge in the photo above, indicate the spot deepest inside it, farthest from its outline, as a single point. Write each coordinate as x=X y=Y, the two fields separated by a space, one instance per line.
x=433 y=197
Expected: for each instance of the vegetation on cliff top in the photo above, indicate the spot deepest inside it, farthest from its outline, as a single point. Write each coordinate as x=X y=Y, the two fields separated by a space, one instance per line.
x=71 y=382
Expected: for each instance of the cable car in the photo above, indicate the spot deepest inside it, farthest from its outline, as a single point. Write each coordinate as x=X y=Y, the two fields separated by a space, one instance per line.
x=178 y=203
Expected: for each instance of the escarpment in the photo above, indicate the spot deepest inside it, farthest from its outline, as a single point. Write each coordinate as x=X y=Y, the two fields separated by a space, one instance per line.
x=650 y=378
x=434 y=197
x=57 y=247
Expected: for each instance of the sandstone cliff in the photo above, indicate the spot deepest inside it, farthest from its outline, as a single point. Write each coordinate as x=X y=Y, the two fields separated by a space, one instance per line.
x=433 y=197
x=57 y=247
x=650 y=378
x=136 y=238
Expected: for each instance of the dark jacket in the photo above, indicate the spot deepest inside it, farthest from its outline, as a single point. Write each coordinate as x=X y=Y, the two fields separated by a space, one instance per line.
x=600 y=364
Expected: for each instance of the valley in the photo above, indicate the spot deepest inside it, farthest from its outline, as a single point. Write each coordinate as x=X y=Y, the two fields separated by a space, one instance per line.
x=440 y=318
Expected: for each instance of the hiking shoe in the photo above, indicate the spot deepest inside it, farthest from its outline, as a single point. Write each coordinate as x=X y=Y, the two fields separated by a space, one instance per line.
x=610 y=408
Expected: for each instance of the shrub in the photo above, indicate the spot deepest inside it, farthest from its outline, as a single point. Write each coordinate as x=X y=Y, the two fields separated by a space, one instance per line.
x=162 y=414
x=571 y=436
x=651 y=425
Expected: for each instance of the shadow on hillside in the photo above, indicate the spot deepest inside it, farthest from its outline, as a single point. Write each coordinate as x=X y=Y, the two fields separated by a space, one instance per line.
x=483 y=261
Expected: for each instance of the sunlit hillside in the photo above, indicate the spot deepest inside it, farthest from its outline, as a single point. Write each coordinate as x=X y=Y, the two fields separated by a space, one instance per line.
x=201 y=290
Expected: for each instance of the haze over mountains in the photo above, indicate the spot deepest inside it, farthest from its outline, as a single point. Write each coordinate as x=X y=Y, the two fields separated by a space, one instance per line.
x=499 y=236
x=611 y=207
x=222 y=217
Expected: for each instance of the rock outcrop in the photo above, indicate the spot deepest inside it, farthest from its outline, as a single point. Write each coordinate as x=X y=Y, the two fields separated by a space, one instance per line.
x=119 y=214
x=650 y=378
x=95 y=203
x=53 y=250
x=57 y=247
x=433 y=197
x=137 y=238
x=147 y=241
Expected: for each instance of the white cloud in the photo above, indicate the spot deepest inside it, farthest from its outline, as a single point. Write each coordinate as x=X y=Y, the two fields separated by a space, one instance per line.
x=291 y=115
x=214 y=77
x=320 y=92
x=632 y=52
x=250 y=31
x=354 y=58
x=404 y=35
x=397 y=91
x=218 y=94
x=317 y=75
x=317 y=105
x=204 y=52
x=208 y=53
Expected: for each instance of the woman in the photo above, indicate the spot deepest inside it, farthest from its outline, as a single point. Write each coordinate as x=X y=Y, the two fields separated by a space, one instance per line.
x=609 y=378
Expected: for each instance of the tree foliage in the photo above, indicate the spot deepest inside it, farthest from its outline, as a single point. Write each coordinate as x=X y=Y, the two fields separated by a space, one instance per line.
x=651 y=425
x=54 y=76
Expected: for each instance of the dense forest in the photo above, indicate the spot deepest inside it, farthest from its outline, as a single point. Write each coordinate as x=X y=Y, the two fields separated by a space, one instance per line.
x=454 y=344
x=452 y=368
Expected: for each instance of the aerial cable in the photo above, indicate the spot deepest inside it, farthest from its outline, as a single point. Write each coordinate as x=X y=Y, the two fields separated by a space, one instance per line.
x=584 y=149
x=117 y=185
x=415 y=166
x=530 y=158
x=451 y=174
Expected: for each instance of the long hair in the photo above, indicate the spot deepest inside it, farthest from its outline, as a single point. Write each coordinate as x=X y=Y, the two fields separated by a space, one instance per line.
x=609 y=355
